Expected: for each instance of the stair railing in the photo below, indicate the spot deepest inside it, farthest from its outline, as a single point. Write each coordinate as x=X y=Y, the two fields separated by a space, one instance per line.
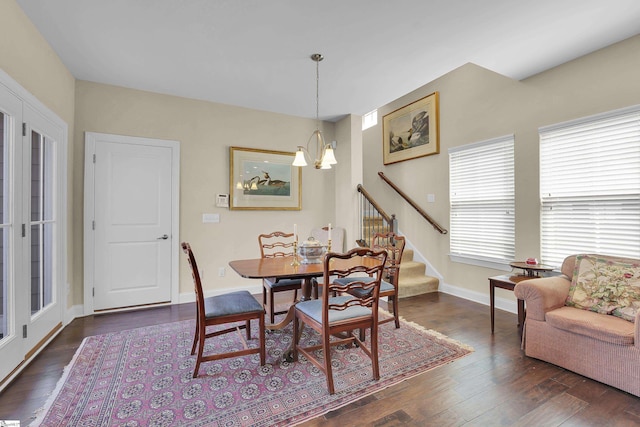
x=426 y=216
x=373 y=219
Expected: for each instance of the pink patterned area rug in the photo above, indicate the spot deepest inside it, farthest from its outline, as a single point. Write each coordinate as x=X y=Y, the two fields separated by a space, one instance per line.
x=142 y=377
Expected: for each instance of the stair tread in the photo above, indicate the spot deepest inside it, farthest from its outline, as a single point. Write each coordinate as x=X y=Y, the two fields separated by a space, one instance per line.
x=406 y=265
x=417 y=280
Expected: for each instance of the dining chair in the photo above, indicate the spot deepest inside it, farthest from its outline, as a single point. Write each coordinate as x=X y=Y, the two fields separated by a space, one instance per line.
x=272 y=245
x=393 y=245
x=232 y=307
x=342 y=314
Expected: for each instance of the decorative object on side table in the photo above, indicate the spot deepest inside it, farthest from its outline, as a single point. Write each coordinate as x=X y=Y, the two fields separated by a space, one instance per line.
x=531 y=269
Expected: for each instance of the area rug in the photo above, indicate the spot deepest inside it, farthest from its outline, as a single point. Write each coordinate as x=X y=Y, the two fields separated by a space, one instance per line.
x=143 y=377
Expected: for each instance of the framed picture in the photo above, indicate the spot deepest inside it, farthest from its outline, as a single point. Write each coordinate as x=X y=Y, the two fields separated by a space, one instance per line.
x=411 y=131
x=264 y=180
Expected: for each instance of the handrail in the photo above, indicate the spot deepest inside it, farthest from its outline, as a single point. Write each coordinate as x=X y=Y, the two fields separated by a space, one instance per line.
x=374 y=219
x=412 y=203
x=367 y=196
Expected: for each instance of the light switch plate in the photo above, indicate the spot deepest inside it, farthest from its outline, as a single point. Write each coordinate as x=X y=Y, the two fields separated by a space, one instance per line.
x=210 y=218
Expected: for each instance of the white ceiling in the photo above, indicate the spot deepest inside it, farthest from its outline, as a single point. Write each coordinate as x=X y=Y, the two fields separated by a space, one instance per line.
x=256 y=53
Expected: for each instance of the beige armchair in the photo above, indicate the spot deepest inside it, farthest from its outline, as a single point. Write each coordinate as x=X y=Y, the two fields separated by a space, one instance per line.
x=603 y=347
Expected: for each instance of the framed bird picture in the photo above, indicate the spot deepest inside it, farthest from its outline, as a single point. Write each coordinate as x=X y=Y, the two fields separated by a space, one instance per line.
x=411 y=131
x=264 y=180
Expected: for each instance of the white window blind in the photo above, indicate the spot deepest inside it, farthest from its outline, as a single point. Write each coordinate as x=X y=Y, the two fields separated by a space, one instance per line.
x=590 y=186
x=482 y=223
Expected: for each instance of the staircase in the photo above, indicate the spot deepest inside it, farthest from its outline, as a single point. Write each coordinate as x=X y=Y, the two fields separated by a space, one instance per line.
x=412 y=280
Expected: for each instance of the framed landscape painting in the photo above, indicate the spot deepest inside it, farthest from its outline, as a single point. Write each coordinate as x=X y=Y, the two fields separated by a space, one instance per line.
x=411 y=131
x=263 y=180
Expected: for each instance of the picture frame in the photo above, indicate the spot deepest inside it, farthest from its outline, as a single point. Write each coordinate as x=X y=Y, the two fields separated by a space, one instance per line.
x=263 y=180
x=412 y=131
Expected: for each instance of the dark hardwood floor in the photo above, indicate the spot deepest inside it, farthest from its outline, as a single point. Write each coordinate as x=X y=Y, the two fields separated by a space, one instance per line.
x=494 y=386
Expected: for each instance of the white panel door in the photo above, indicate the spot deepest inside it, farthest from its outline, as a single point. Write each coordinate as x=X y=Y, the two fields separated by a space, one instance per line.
x=32 y=217
x=133 y=222
x=13 y=304
x=42 y=248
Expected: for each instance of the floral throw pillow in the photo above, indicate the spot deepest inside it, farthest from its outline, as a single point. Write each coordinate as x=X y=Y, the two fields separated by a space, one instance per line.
x=606 y=287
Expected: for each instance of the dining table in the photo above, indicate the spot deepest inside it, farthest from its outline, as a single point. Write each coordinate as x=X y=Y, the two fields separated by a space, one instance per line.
x=280 y=268
x=287 y=268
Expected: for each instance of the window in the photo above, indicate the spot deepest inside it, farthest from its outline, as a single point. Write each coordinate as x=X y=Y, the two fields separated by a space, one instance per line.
x=370 y=119
x=590 y=186
x=42 y=220
x=481 y=179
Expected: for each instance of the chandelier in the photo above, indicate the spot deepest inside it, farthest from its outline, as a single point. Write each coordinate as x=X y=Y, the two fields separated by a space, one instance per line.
x=324 y=157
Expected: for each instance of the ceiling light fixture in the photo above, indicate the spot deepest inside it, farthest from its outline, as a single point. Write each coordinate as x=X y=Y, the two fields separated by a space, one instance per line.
x=324 y=152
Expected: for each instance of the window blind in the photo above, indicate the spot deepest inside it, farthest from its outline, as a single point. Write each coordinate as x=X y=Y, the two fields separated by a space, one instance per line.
x=590 y=186
x=482 y=201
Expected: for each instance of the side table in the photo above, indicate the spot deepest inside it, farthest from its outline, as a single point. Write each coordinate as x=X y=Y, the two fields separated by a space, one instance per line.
x=509 y=283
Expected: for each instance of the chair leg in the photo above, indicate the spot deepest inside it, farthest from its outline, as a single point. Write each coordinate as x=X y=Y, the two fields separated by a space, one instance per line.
x=326 y=348
x=295 y=295
x=272 y=308
x=394 y=301
x=248 y=329
x=264 y=295
x=374 y=352
x=200 y=350
x=195 y=339
x=296 y=339
x=263 y=351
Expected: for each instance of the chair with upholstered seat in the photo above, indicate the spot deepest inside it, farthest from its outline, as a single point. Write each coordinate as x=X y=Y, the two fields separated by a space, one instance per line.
x=393 y=245
x=344 y=313
x=272 y=245
x=232 y=307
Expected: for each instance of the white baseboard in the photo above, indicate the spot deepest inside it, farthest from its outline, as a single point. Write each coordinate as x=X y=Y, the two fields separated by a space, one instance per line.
x=69 y=315
x=479 y=297
x=72 y=313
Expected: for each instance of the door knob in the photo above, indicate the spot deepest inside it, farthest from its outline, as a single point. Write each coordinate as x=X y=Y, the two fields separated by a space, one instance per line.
x=163 y=237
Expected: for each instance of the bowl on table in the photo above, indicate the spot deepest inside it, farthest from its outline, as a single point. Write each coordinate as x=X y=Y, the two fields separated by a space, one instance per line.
x=311 y=251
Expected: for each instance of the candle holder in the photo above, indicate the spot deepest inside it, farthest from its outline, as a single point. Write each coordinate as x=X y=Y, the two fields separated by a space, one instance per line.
x=295 y=261
x=329 y=245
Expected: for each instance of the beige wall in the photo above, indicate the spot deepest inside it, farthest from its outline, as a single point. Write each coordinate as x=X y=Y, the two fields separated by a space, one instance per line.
x=477 y=104
x=29 y=60
x=206 y=131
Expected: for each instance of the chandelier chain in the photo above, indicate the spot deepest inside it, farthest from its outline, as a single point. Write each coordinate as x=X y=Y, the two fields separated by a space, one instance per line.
x=318 y=95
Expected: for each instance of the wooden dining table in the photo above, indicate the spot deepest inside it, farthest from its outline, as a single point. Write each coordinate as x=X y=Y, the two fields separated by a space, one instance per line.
x=280 y=268
x=285 y=268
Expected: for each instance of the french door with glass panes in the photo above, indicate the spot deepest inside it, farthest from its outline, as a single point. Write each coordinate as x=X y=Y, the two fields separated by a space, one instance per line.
x=30 y=232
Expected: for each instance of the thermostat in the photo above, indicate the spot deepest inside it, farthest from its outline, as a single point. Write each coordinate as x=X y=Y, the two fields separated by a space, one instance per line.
x=222 y=200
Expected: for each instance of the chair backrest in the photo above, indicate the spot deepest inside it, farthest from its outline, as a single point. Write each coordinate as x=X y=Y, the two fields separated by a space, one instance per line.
x=276 y=244
x=321 y=234
x=393 y=244
x=363 y=267
x=197 y=284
